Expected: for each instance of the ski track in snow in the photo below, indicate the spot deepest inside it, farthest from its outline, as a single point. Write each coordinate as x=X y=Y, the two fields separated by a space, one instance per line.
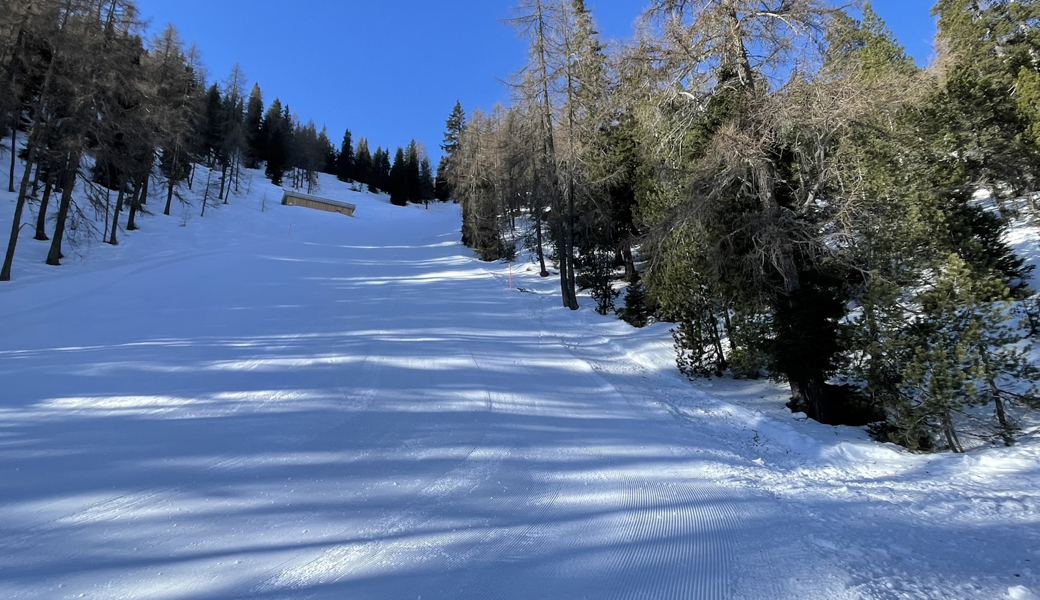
x=357 y=409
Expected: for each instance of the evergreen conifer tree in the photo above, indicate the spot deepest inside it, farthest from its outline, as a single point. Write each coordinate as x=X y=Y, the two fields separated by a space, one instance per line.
x=412 y=173
x=426 y=184
x=867 y=45
x=453 y=129
x=276 y=128
x=442 y=187
x=398 y=179
x=330 y=157
x=213 y=125
x=363 y=170
x=381 y=170
x=987 y=49
x=345 y=161
x=377 y=182
x=253 y=128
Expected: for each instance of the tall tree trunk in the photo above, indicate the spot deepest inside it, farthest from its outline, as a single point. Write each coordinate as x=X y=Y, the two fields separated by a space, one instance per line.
x=716 y=339
x=538 y=234
x=572 y=294
x=548 y=144
x=951 y=433
x=108 y=212
x=628 y=260
x=115 y=214
x=14 y=153
x=144 y=190
x=135 y=199
x=16 y=223
x=810 y=386
x=36 y=180
x=169 y=195
x=727 y=320
x=41 y=218
x=223 y=179
x=205 y=193
x=812 y=391
x=69 y=182
x=1006 y=431
x=131 y=220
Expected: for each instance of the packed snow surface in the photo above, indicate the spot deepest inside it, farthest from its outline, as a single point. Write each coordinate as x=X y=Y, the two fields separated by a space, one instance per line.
x=289 y=404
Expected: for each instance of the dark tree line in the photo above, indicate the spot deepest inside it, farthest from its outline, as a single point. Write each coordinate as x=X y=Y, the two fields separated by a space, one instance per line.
x=797 y=194
x=95 y=104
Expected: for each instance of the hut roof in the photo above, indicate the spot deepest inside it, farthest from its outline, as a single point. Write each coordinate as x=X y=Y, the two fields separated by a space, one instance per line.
x=296 y=194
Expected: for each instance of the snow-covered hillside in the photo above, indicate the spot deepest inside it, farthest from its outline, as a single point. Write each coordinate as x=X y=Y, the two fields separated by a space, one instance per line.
x=288 y=404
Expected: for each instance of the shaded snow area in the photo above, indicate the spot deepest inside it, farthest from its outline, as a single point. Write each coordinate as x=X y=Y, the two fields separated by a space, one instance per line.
x=298 y=405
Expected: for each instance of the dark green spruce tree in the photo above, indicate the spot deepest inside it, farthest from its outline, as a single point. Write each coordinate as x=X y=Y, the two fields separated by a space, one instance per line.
x=277 y=131
x=412 y=173
x=426 y=184
x=363 y=163
x=253 y=128
x=345 y=161
x=397 y=181
x=442 y=188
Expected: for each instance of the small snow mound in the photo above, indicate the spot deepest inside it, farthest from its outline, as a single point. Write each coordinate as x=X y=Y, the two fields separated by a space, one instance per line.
x=1013 y=461
x=1021 y=593
x=857 y=453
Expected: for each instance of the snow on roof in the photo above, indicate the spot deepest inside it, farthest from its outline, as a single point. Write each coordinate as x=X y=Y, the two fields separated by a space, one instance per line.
x=303 y=196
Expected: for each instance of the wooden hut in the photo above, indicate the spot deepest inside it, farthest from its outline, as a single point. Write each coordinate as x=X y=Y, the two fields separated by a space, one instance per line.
x=290 y=198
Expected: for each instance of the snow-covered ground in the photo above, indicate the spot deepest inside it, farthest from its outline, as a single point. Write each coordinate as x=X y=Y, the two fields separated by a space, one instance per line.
x=290 y=404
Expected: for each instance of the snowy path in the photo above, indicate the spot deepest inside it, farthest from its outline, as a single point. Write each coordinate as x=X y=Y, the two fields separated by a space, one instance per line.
x=319 y=419
x=360 y=411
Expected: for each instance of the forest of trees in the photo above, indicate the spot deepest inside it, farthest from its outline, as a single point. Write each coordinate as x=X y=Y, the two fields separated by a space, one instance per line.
x=781 y=181
x=85 y=98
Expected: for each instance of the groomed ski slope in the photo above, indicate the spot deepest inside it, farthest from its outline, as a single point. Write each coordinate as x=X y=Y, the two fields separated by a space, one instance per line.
x=296 y=405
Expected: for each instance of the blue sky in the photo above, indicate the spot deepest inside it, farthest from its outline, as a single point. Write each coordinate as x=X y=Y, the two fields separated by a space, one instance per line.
x=391 y=70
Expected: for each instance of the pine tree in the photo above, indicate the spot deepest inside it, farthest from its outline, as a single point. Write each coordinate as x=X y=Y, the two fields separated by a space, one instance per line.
x=345 y=161
x=453 y=129
x=213 y=127
x=363 y=163
x=276 y=129
x=636 y=312
x=175 y=87
x=916 y=204
x=442 y=187
x=380 y=179
x=412 y=173
x=377 y=181
x=986 y=50
x=398 y=179
x=426 y=184
x=754 y=219
x=475 y=177
x=866 y=45
x=964 y=352
x=253 y=128
x=330 y=158
x=233 y=139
